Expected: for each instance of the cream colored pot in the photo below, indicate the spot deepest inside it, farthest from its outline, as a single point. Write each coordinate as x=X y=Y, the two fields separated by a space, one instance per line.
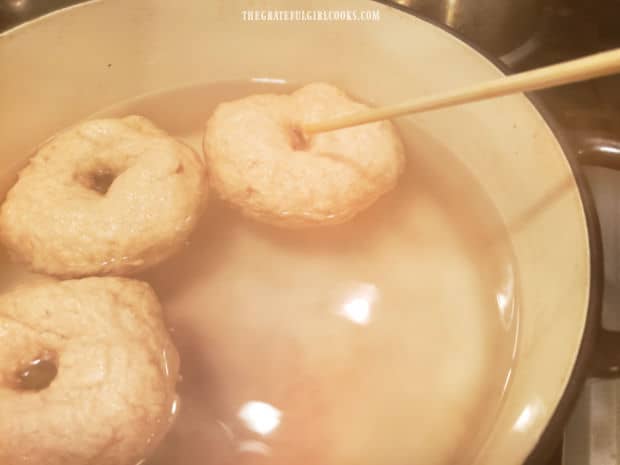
x=66 y=66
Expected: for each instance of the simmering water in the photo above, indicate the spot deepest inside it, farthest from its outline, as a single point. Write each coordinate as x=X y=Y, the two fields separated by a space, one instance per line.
x=387 y=340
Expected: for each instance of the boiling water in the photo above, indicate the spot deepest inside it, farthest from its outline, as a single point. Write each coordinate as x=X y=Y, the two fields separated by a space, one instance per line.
x=388 y=340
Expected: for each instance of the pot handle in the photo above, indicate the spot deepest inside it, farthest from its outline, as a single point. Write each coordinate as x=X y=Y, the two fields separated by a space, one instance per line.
x=597 y=150
x=600 y=150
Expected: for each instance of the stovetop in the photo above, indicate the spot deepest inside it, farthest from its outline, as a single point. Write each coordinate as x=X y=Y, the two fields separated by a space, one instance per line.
x=573 y=28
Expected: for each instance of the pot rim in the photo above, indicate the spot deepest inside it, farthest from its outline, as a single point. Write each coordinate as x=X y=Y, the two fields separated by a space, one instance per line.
x=550 y=438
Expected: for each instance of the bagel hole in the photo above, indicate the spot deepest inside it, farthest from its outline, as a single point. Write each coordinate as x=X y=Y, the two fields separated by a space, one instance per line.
x=98 y=180
x=297 y=138
x=38 y=373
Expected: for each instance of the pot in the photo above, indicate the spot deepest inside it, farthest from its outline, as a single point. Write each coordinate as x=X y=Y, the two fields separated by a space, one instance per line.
x=68 y=65
x=15 y=12
x=500 y=27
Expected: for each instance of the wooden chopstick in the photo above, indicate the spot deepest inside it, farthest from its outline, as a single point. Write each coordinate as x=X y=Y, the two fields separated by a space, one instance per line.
x=597 y=65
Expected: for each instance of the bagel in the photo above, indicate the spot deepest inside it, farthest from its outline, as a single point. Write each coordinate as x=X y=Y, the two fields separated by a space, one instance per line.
x=87 y=373
x=105 y=197
x=259 y=160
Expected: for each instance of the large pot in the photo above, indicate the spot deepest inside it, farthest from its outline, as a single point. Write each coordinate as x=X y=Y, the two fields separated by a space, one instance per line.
x=497 y=26
x=66 y=66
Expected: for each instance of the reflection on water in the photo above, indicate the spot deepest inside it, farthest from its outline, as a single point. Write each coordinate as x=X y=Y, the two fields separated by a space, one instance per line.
x=174 y=409
x=506 y=299
x=529 y=415
x=268 y=80
x=359 y=304
x=254 y=447
x=260 y=417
